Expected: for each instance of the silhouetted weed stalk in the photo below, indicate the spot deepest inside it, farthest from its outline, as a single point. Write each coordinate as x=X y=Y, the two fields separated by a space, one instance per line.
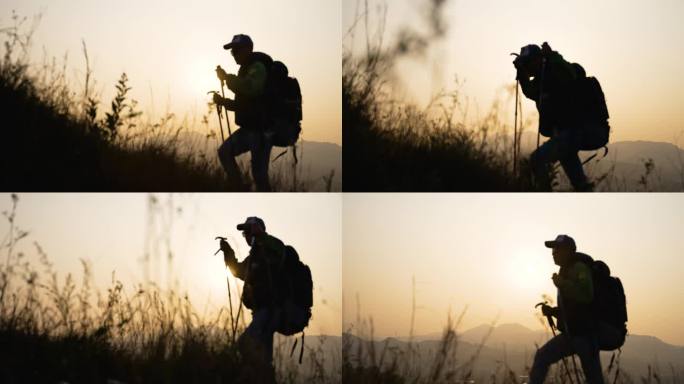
x=60 y=329
x=64 y=139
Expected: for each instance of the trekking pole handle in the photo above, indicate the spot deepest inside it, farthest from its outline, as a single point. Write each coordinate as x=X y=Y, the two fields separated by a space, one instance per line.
x=221 y=238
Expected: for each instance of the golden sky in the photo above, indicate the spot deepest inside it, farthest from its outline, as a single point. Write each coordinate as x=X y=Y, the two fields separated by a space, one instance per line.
x=111 y=230
x=633 y=47
x=486 y=251
x=169 y=49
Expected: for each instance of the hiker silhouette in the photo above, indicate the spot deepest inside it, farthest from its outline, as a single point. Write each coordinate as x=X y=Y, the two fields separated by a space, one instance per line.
x=572 y=113
x=277 y=289
x=267 y=106
x=591 y=315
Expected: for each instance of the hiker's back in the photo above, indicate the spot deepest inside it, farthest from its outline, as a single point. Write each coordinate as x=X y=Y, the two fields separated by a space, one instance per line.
x=250 y=111
x=284 y=105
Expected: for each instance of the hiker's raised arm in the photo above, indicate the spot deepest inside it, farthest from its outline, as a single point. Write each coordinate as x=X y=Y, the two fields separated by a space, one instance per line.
x=236 y=268
x=224 y=102
x=529 y=87
x=252 y=84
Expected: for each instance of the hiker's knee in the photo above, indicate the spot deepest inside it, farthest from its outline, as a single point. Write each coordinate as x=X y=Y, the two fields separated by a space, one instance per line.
x=226 y=150
x=541 y=358
x=549 y=353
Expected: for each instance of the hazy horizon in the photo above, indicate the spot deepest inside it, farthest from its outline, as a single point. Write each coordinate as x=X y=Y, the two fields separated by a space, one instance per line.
x=632 y=47
x=486 y=252
x=170 y=50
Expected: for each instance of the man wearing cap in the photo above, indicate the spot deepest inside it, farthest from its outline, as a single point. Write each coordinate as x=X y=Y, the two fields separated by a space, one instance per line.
x=574 y=315
x=248 y=86
x=262 y=273
x=551 y=87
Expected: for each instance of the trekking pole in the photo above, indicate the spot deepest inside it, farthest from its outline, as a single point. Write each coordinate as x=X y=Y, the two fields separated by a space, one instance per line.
x=230 y=299
x=225 y=110
x=218 y=112
x=541 y=94
x=515 y=132
x=552 y=325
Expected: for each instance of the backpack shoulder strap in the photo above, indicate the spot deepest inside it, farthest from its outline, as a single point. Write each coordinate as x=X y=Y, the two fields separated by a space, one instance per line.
x=261 y=57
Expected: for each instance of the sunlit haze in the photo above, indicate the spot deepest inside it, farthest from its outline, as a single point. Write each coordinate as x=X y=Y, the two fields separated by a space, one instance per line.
x=634 y=48
x=169 y=49
x=486 y=252
x=114 y=231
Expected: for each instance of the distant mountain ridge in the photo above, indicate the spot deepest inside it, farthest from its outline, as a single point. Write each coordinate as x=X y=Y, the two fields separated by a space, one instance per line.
x=516 y=344
x=627 y=158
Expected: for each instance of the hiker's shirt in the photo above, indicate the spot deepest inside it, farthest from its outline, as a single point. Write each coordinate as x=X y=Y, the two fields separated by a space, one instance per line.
x=261 y=271
x=557 y=86
x=576 y=290
x=248 y=87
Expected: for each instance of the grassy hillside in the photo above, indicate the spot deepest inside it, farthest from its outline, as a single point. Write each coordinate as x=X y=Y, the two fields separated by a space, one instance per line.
x=390 y=146
x=61 y=137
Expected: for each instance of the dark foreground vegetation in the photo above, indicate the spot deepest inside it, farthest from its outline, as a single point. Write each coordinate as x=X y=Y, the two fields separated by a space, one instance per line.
x=62 y=329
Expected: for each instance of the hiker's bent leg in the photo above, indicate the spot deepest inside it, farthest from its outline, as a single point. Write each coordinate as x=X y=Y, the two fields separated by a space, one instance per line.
x=568 y=154
x=572 y=165
x=259 y=335
x=237 y=144
x=588 y=351
x=540 y=161
x=261 y=157
x=550 y=353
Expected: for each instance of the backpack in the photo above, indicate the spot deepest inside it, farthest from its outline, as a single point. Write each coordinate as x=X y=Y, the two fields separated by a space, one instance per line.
x=296 y=309
x=299 y=300
x=592 y=109
x=610 y=302
x=283 y=105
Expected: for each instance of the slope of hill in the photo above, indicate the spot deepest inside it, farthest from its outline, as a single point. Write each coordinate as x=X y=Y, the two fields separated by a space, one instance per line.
x=57 y=139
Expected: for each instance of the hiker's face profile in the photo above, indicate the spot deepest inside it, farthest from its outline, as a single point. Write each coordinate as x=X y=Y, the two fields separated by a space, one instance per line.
x=248 y=237
x=240 y=54
x=561 y=255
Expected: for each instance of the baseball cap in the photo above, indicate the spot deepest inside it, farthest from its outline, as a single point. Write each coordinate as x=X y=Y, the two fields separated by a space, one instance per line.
x=529 y=51
x=561 y=241
x=252 y=220
x=239 y=41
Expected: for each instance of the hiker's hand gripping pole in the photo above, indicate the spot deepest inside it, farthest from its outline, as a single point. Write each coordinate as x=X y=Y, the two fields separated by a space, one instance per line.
x=547 y=313
x=233 y=321
x=218 y=112
x=219 y=238
x=223 y=94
